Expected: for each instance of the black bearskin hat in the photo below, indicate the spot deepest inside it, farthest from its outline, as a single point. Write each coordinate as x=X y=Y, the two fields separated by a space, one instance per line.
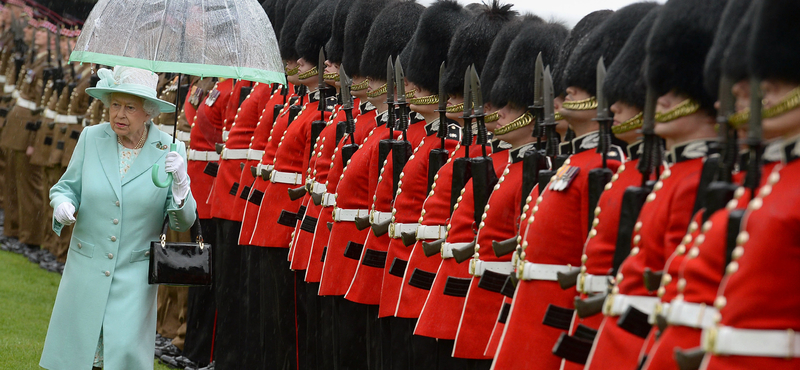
x=774 y=52
x=292 y=25
x=430 y=43
x=732 y=16
x=583 y=28
x=605 y=41
x=515 y=85
x=390 y=32
x=335 y=46
x=471 y=44
x=316 y=32
x=269 y=8
x=734 y=64
x=677 y=49
x=363 y=14
x=624 y=78
x=497 y=53
x=281 y=10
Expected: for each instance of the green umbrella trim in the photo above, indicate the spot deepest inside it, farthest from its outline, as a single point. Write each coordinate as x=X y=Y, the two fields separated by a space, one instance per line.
x=195 y=69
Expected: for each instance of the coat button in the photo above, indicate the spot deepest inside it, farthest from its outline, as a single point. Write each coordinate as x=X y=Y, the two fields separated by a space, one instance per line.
x=110 y=256
x=146 y=254
x=80 y=245
x=116 y=221
x=108 y=273
x=116 y=203
x=113 y=238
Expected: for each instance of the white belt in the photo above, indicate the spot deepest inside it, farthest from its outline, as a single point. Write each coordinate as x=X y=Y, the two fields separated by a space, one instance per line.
x=478 y=267
x=318 y=188
x=447 y=249
x=225 y=135
x=428 y=232
x=27 y=104
x=291 y=178
x=50 y=114
x=183 y=135
x=264 y=167
x=540 y=271
x=661 y=309
x=2 y=79
x=378 y=217
x=8 y=89
x=234 y=153
x=254 y=155
x=617 y=304
x=588 y=283
x=694 y=315
x=328 y=200
x=196 y=155
x=340 y=214
x=63 y=118
x=396 y=230
x=726 y=340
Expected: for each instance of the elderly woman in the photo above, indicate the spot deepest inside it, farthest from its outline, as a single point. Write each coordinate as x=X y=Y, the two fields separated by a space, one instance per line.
x=105 y=310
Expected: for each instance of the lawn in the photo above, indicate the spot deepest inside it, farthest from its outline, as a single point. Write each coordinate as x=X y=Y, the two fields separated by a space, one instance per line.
x=27 y=294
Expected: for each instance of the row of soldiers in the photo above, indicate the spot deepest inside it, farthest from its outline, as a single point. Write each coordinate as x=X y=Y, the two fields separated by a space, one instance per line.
x=451 y=187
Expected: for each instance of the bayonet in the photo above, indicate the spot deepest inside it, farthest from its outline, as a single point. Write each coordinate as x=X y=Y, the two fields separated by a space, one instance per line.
x=483 y=176
x=754 y=136
x=438 y=157
x=347 y=105
x=599 y=177
x=401 y=149
x=390 y=93
x=537 y=109
x=462 y=167
x=466 y=137
x=549 y=123
x=478 y=113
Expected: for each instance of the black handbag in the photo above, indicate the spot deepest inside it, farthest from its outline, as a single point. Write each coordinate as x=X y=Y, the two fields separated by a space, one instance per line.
x=179 y=263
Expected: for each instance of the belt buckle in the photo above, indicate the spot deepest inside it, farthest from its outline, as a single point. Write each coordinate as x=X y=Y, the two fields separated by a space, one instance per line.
x=790 y=341
x=336 y=214
x=473 y=266
x=391 y=230
x=710 y=339
x=608 y=304
x=581 y=286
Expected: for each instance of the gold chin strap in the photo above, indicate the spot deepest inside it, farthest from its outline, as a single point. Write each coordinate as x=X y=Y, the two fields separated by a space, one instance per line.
x=378 y=92
x=585 y=104
x=633 y=123
x=790 y=102
x=738 y=119
x=360 y=86
x=308 y=74
x=331 y=76
x=558 y=116
x=410 y=94
x=455 y=108
x=491 y=117
x=685 y=108
x=425 y=100
x=293 y=71
x=523 y=120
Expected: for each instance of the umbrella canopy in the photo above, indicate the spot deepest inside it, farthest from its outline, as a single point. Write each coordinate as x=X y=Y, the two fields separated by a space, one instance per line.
x=207 y=38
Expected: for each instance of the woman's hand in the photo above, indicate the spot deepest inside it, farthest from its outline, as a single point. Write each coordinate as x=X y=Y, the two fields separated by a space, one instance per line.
x=65 y=213
x=175 y=165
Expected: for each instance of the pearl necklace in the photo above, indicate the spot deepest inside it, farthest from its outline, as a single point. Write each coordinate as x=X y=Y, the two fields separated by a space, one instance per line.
x=140 y=144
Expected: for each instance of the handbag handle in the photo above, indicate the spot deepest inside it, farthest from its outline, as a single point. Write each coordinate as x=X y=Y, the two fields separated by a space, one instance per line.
x=195 y=230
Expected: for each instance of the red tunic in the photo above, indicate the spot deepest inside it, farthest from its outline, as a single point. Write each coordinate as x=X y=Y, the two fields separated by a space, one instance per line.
x=435 y=212
x=206 y=132
x=662 y=224
x=440 y=314
x=364 y=287
x=366 y=115
x=292 y=156
x=270 y=139
x=481 y=306
x=756 y=290
x=352 y=192
x=550 y=242
x=411 y=193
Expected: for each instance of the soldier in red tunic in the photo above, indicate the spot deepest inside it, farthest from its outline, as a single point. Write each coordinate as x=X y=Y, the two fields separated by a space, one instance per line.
x=685 y=120
x=513 y=93
x=758 y=322
x=624 y=86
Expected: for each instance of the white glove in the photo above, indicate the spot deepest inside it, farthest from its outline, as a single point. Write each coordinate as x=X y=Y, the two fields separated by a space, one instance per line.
x=175 y=165
x=65 y=213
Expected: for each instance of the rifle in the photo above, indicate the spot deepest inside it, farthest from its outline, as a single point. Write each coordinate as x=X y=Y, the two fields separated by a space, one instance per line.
x=401 y=149
x=347 y=105
x=599 y=177
x=552 y=139
x=534 y=161
x=438 y=157
x=462 y=167
x=483 y=176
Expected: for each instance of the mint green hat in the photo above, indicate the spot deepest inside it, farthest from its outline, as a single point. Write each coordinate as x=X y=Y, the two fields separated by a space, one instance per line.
x=129 y=80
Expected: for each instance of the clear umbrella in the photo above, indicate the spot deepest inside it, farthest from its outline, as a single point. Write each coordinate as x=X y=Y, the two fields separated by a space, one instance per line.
x=206 y=38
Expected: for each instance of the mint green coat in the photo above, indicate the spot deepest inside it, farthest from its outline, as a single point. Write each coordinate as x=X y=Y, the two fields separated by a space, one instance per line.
x=104 y=285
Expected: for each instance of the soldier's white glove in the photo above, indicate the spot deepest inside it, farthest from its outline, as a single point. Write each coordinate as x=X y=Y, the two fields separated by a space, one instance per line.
x=175 y=165
x=65 y=213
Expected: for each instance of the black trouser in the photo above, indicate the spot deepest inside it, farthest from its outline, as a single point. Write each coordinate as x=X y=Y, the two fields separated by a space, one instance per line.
x=407 y=351
x=314 y=327
x=278 y=330
x=232 y=298
x=202 y=309
x=353 y=335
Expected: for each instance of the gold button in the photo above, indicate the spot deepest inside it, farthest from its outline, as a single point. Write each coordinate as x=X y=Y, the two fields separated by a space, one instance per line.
x=742 y=238
x=686 y=239
x=638 y=226
x=539 y=199
x=773 y=178
x=681 y=284
x=737 y=253
x=634 y=251
x=694 y=252
x=637 y=239
x=597 y=211
x=666 y=279
x=699 y=239
x=739 y=192
x=693 y=226
x=615 y=177
x=765 y=190
x=720 y=302
x=658 y=186
x=593 y=233
x=621 y=168
x=584 y=258
x=596 y=221
x=731 y=204
x=661 y=291
x=732 y=267
x=608 y=186
x=755 y=204
x=651 y=197
x=681 y=249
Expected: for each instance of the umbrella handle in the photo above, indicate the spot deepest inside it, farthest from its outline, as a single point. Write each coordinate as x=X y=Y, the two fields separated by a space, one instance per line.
x=155 y=172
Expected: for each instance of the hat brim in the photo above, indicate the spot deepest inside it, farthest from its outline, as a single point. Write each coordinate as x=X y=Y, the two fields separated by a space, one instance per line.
x=102 y=92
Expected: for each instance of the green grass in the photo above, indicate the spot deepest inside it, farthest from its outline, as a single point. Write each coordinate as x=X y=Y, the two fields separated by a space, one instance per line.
x=27 y=294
